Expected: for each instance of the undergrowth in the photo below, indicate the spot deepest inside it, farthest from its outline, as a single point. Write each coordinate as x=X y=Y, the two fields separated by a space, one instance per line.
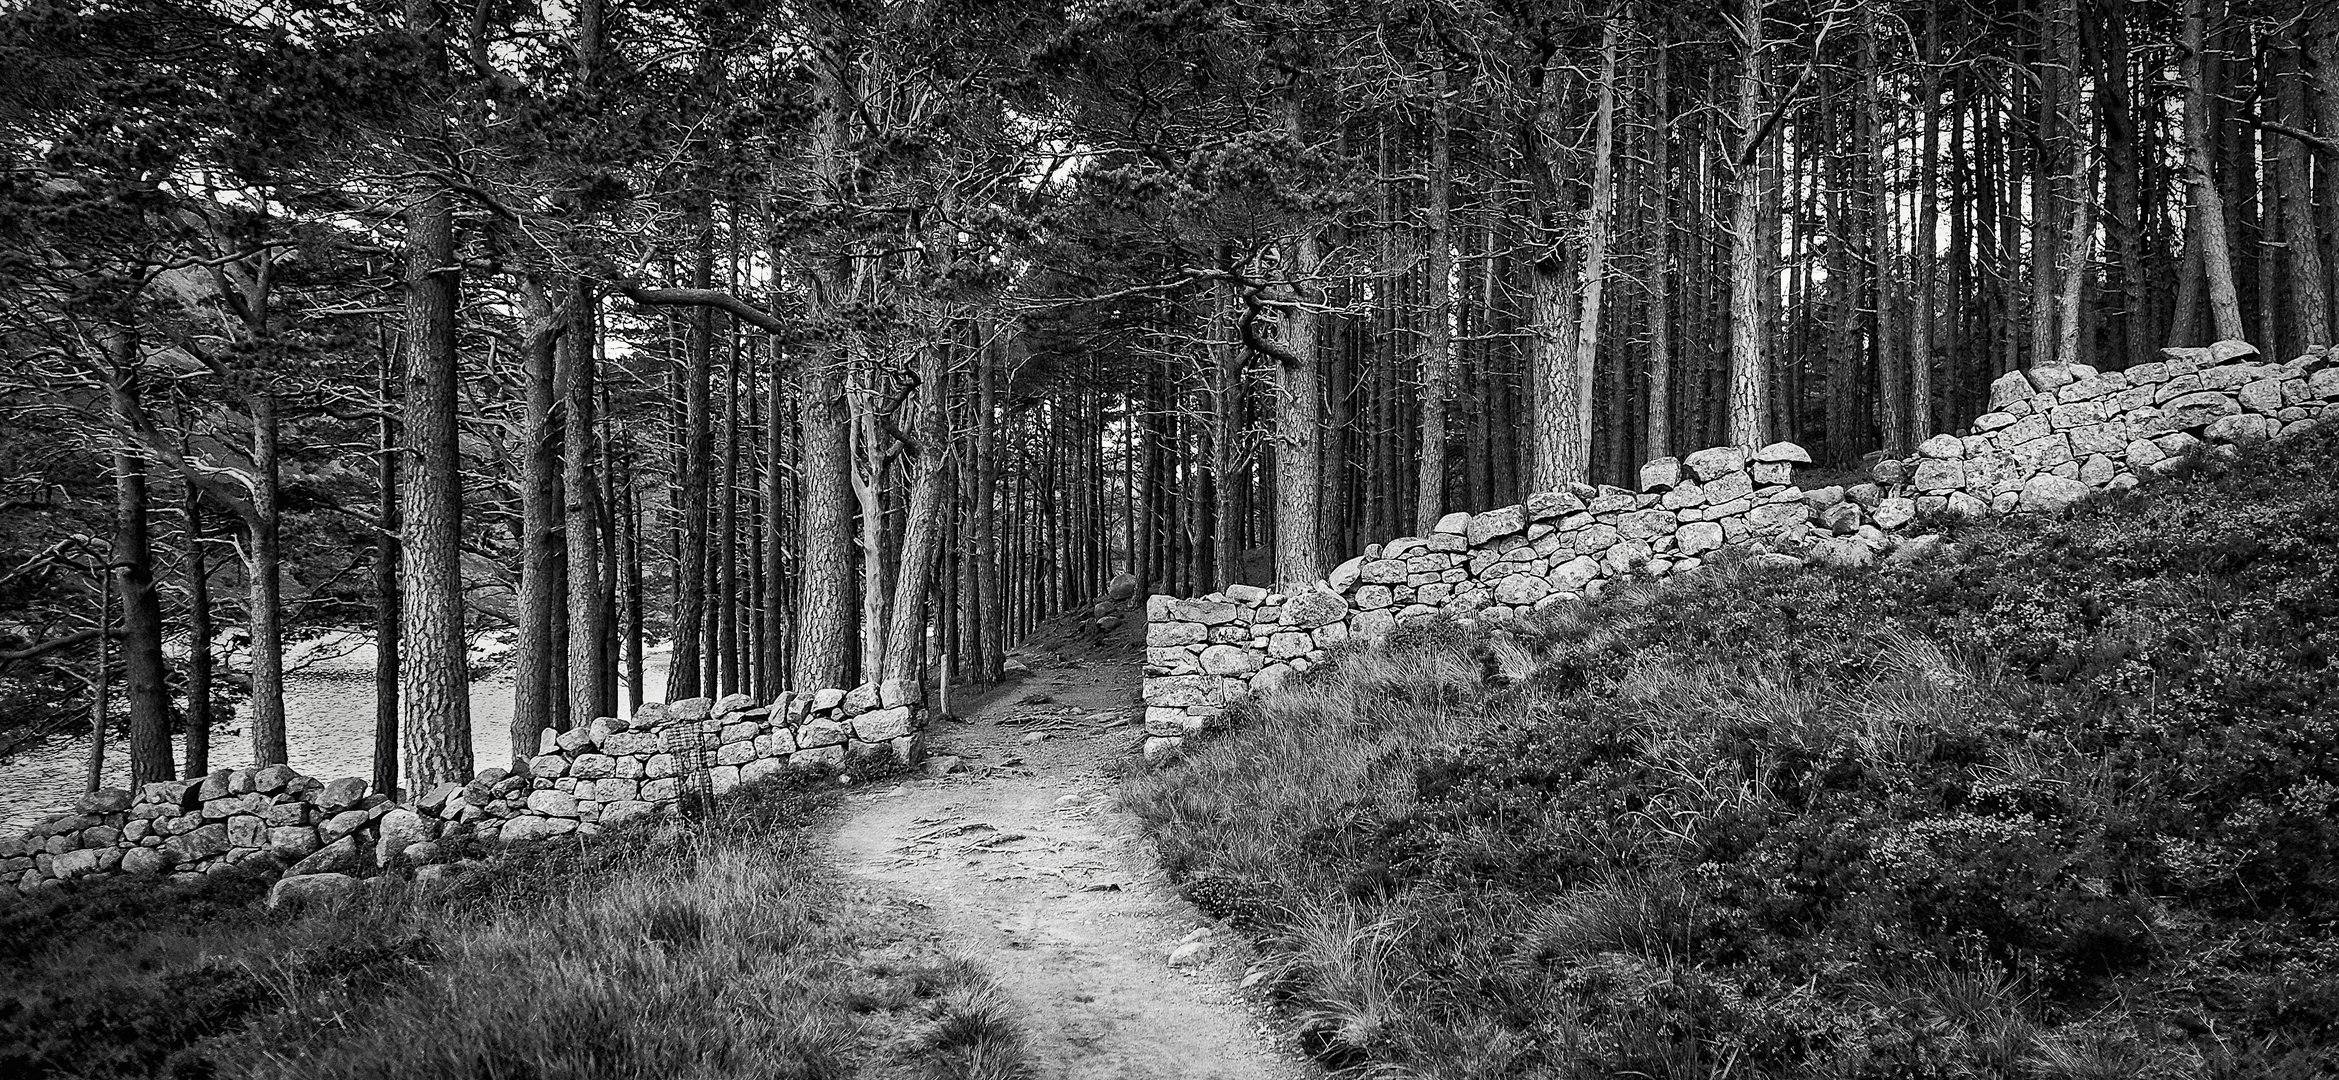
x=719 y=945
x=2064 y=807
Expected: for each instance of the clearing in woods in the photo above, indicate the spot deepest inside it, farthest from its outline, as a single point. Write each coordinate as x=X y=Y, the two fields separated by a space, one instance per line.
x=1024 y=866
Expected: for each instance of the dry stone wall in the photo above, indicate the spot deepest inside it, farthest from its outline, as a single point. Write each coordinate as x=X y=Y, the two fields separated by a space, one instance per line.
x=2052 y=437
x=317 y=833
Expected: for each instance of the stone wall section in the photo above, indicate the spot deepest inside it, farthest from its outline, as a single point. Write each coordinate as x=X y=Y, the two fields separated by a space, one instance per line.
x=276 y=821
x=2052 y=437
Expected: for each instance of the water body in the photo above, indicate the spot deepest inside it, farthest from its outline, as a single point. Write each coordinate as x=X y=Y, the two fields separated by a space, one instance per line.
x=329 y=725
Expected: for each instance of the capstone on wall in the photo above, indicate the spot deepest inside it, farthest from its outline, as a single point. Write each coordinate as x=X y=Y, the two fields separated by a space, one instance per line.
x=2052 y=436
x=276 y=821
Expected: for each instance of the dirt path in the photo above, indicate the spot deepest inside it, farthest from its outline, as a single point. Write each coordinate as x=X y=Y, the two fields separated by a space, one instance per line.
x=1029 y=871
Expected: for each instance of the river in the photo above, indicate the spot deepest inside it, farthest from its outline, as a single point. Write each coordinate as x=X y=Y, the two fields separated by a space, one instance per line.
x=328 y=720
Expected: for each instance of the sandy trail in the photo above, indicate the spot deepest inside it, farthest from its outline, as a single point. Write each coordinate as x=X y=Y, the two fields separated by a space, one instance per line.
x=1029 y=871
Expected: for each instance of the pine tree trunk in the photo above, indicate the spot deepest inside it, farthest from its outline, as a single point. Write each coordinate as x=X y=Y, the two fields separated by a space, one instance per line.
x=143 y=674
x=588 y=614
x=263 y=570
x=1299 y=467
x=434 y=689
x=986 y=524
x=684 y=675
x=199 y=635
x=901 y=674
x=540 y=600
x=1918 y=419
x=2225 y=311
x=1657 y=426
x=387 y=587
x=1746 y=419
x=1591 y=281
x=101 y=682
x=1437 y=358
x=2310 y=296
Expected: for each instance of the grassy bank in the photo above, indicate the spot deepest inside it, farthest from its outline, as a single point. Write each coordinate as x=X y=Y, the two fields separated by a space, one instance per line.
x=716 y=947
x=2067 y=806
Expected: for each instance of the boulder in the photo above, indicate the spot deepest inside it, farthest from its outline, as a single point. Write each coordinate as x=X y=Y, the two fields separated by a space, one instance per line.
x=1662 y=474
x=145 y=860
x=1712 y=463
x=1346 y=575
x=881 y=725
x=1947 y=447
x=1311 y=608
x=552 y=803
x=103 y=801
x=530 y=827
x=1228 y=660
x=270 y=779
x=292 y=843
x=2049 y=492
x=1782 y=453
x=339 y=857
x=1698 y=537
x=311 y=889
x=436 y=801
x=1495 y=524
x=2229 y=350
x=342 y=794
x=401 y=829
x=1454 y=524
x=2009 y=388
x=201 y=843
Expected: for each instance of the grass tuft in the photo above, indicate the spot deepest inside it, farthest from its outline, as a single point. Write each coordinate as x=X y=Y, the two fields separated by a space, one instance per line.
x=715 y=946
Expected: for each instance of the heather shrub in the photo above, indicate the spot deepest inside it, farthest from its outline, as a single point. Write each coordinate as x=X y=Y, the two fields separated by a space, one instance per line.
x=2060 y=806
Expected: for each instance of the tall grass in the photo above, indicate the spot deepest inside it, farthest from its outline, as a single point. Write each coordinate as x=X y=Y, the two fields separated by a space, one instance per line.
x=718 y=947
x=2060 y=811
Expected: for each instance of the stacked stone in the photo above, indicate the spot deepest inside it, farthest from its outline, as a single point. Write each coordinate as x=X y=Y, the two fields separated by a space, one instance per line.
x=1202 y=654
x=2052 y=436
x=273 y=820
x=261 y=819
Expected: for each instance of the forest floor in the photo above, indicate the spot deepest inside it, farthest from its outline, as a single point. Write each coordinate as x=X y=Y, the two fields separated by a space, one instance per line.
x=1029 y=869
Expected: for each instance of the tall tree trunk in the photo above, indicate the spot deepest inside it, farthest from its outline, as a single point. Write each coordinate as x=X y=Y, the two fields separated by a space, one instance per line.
x=2310 y=295
x=993 y=652
x=540 y=597
x=637 y=641
x=1657 y=427
x=263 y=568
x=588 y=612
x=776 y=631
x=1437 y=358
x=435 y=682
x=684 y=674
x=1299 y=427
x=1299 y=466
x=2225 y=309
x=1559 y=449
x=1922 y=265
x=901 y=674
x=199 y=635
x=1598 y=225
x=101 y=682
x=143 y=674
x=1746 y=419
x=387 y=587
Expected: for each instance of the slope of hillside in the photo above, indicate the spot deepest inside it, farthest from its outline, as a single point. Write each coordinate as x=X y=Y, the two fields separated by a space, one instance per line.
x=2058 y=803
